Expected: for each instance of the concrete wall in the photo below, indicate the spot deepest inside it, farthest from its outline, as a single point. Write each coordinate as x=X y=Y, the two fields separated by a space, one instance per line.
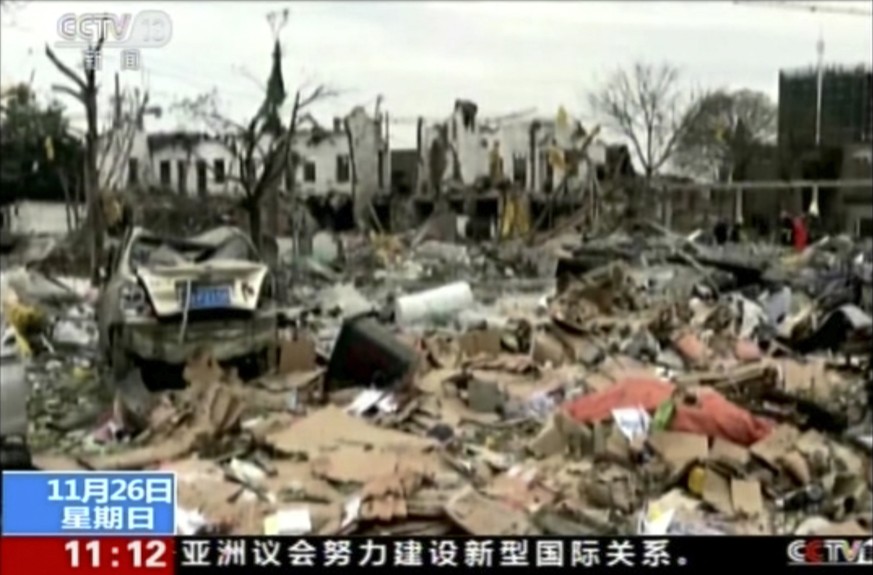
x=321 y=152
x=39 y=218
x=116 y=150
x=180 y=161
x=857 y=203
x=324 y=157
x=181 y=152
x=369 y=159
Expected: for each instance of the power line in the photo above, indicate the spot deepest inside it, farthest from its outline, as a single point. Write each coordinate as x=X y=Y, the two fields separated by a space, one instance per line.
x=798 y=6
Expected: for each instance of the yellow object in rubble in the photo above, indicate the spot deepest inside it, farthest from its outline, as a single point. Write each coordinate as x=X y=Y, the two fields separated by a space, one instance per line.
x=22 y=344
x=388 y=247
x=81 y=373
x=556 y=158
x=112 y=209
x=515 y=219
x=25 y=321
x=696 y=480
x=49 y=149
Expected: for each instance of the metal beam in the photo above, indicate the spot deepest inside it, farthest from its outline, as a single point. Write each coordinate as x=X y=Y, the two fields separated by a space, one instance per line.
x=768 y=185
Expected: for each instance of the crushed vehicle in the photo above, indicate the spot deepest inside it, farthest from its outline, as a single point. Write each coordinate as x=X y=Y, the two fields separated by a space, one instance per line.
x=164 y=300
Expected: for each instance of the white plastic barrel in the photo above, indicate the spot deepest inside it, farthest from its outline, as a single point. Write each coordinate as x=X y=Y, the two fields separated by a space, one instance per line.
x=437 y=302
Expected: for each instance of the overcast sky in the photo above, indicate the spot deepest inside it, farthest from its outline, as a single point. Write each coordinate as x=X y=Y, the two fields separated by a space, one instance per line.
x=421 y=56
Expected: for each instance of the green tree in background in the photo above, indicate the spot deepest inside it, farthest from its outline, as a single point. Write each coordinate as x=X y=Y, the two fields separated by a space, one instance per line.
x=726 y=134
x=39 y=156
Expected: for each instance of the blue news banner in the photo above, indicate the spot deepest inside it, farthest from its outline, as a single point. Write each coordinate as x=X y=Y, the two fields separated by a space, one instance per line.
x=107 y=516
x=89 y=503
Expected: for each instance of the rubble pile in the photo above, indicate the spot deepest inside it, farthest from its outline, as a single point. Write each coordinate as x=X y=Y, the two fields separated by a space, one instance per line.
x=665 y=386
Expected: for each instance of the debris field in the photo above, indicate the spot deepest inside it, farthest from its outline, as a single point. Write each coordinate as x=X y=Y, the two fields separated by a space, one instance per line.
x=642 y=382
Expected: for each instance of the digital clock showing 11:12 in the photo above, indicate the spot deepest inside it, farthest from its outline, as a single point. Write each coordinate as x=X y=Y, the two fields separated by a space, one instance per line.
x=88 y=556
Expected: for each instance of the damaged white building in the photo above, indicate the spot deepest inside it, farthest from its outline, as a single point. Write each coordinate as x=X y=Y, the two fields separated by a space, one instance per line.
x=349 y=157
x=535 y=155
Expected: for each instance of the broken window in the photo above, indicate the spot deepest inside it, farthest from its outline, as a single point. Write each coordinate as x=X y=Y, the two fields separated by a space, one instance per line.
x=218 y=169
x=133 y=171
x=182 y=174
x=343 y=168
x=468 y=113
x=309 y=171
x=519 y=168
x=201 y=178
x=165 y=173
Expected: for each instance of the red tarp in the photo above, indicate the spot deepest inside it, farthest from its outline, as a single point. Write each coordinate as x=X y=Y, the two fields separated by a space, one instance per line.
x=711 y=415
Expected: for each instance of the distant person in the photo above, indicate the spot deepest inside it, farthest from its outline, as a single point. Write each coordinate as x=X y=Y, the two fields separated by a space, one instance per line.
x=799 y=233
x=721 y=232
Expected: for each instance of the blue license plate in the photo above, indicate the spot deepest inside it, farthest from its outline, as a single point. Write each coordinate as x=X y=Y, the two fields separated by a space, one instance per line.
x=208 y=297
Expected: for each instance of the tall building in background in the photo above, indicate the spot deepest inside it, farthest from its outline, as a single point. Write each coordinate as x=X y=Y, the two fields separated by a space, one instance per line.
x=846 y=107
x=844 y=150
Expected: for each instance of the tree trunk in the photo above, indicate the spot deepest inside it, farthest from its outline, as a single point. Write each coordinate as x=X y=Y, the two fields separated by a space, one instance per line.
x=291 y=165
x=94 y=220
x=255 y=226
x=78 y=201
x=68 y=200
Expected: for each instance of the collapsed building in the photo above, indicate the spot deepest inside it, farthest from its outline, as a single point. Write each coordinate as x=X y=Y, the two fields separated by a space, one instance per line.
x=551 y=162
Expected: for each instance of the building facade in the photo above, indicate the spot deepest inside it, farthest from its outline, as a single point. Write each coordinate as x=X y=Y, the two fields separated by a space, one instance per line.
x=846 y=107
x=353 y=152
x=830 y=144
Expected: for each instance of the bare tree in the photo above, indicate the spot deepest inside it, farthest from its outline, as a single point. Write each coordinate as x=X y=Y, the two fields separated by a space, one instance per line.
x=260 y=155
x=647 y=106
x=85 y=91
x=730 y=128
x=262 y=148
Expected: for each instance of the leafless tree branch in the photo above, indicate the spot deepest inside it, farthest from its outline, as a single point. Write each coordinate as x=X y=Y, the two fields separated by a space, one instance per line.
x=68 y=91
x=646 y=106
x=64 y=69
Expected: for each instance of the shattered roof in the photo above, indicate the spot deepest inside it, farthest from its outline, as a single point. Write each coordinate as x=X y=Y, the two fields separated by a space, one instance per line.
x=160 y=140
x=213 y=237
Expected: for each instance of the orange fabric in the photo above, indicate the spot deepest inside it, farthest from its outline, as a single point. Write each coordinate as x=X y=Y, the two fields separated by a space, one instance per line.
x=712 y=415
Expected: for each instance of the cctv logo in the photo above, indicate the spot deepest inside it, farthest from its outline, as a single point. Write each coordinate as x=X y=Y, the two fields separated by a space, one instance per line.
x=831 y=552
